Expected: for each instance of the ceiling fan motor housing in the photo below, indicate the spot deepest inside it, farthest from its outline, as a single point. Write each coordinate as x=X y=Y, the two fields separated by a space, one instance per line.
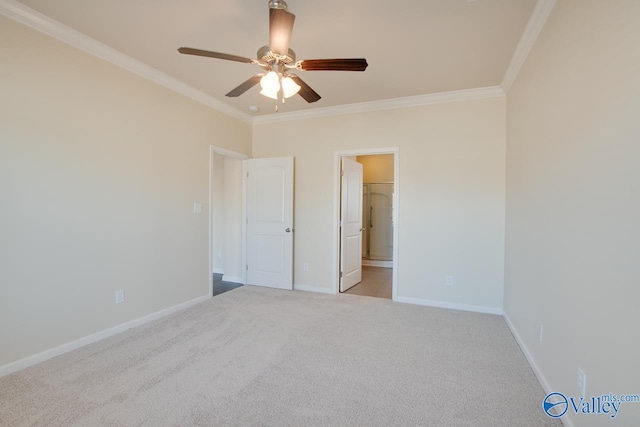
x=277 y=4
x=266 y=56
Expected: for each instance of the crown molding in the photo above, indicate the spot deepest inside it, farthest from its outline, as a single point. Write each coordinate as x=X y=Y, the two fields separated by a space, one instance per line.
x=386 y=104
x=40 y=22
x=36 y=20
x=538 y=19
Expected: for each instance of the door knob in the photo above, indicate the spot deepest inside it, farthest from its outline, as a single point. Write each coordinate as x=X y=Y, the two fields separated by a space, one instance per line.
x=288 y=230
x=362 y=229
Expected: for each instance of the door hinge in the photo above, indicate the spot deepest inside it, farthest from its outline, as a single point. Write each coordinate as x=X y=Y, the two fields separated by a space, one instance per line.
x=247 y=174
x=247 y=267
x=341 y=173
x=341 y=274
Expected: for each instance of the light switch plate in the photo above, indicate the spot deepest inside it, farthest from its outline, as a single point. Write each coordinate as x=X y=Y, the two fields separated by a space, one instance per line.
x=197 y=208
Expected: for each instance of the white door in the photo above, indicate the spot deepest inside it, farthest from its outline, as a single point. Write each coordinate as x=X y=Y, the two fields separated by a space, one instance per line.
x=270 y=222
x=351 y=224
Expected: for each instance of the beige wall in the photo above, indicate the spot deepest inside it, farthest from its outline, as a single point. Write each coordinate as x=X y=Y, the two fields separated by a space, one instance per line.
x=377 y=168
x=99 y=170
x=573 y=201
x=451 y=194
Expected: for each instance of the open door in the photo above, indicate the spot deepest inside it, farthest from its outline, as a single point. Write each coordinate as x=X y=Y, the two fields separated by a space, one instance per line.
x=351 y=224
x=270 y=222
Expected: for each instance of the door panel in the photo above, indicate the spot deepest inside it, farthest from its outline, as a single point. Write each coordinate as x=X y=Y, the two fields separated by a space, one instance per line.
x=270 y=196
x=270 y=222
x=351 y=221
x=269 y=254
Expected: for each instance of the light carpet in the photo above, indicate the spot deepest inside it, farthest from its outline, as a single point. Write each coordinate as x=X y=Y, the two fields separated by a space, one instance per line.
x=258 y=356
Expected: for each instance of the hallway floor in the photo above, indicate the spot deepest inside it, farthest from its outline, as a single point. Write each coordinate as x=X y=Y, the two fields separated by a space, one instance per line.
x=220 y=287
x=376 y=282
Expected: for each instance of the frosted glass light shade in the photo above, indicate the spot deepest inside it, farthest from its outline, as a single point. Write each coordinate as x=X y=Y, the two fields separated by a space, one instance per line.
x=270 y=82
x=289 y=87
x=273 y=94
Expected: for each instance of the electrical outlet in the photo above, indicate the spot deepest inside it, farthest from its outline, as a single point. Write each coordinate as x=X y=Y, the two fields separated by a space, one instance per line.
x=582 y=383
x=449 y=280
x=120 y=296
x=541 y=329
x=305 y=266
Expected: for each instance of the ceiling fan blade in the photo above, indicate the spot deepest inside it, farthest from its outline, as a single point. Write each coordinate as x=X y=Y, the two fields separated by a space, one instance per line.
x=245 y=86
x=306 y=92
x=355 y=64
x=280 y=29
x=207 y=53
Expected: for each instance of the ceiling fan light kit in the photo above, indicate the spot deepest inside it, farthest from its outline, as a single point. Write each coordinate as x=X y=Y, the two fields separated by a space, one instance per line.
x=277 y=58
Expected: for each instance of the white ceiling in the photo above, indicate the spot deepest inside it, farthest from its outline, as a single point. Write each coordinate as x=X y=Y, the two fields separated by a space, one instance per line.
x=416 y=47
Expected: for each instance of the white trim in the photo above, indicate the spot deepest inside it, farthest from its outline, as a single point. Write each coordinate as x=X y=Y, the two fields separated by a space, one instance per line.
x=396 y=223
x=218 y=271
x=245 y=220
x=233 y=279
x=36 y=20
x=385 y=104
x=534 y=366
x=40 y=22
x=211 y=270
x=230 y=153
x=451 y=305
x=538 y=19
x=396 y=211
x=81 y=342
x=307 y=288
x=374 y=263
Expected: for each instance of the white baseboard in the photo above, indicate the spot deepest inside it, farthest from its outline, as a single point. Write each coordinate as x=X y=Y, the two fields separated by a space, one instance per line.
x=233 y=279
x=372 y=263
x=450 y=305
x=81 y=342
x=218 y=270
x=308 y=288
x=534 y=366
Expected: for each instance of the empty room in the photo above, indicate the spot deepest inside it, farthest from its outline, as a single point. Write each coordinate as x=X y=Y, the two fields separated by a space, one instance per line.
x=338 y=213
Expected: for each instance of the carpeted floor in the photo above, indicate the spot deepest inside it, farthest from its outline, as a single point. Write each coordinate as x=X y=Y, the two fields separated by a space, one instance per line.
x=258 y=356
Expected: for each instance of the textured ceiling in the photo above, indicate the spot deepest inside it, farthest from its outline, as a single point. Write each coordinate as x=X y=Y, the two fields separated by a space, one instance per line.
x=416 y=47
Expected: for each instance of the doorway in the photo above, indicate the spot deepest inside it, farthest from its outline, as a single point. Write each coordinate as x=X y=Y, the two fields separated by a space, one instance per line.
x=226 y=225
x=378 y=209
x=246 y=227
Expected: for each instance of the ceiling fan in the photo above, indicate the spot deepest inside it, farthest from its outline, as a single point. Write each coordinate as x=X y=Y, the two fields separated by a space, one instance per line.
x=277 y=60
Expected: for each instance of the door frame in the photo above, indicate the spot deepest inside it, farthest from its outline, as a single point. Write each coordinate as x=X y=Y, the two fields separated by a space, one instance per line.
x=213 y=150
x=337 y=157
